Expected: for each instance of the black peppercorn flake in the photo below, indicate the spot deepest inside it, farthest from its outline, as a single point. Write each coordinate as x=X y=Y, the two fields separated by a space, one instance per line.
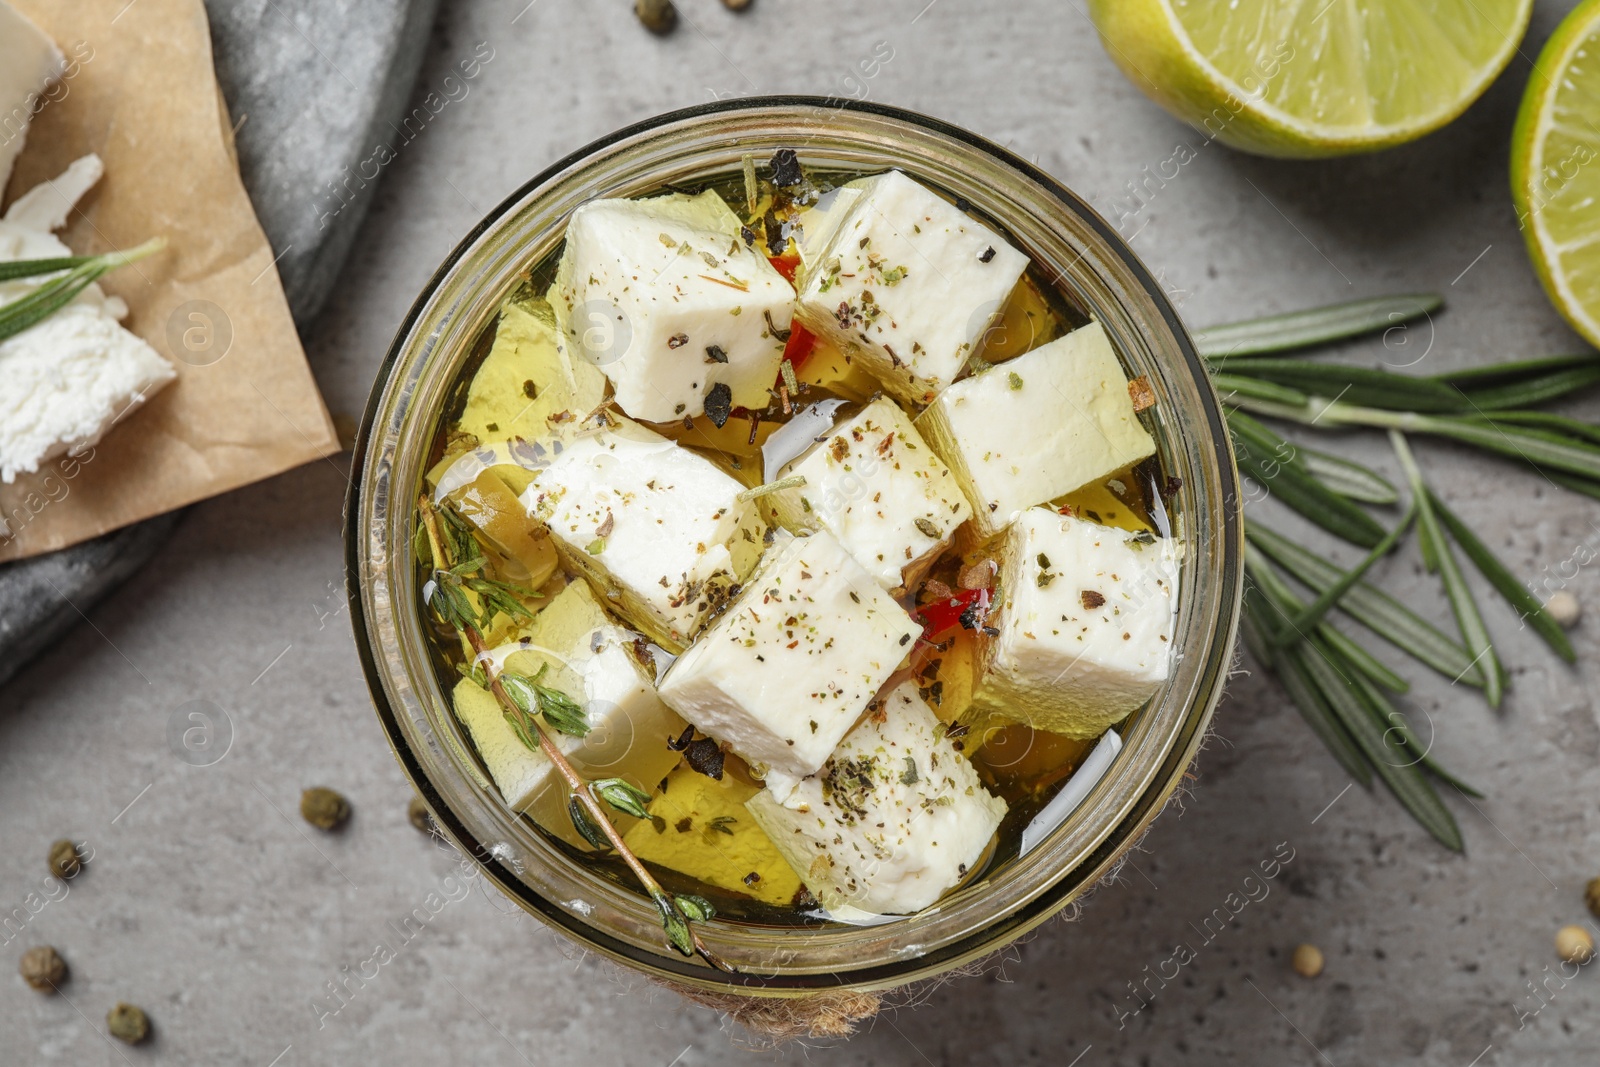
x=987 y=254
x=719 y=404
x=786 y=168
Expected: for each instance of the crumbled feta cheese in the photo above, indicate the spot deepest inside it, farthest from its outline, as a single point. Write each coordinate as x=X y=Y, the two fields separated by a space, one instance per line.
x=652 y=525
x=894 y=818
x=874 y=484
x=785 y=672
x=666 y=299
x=29 y=61
x=907 y=284
x=1037 y=427
x=66 y=380
x=1085 y=620
x=588 y=658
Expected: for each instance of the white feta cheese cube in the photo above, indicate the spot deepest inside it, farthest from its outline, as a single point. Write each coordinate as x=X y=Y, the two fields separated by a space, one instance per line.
x=1085 y=619
x=66 y=380
x=875 y=485
x=653 y=526
x=588 y=658
x=785 y=672
x=1037 y=427
x=29 y=61
x=667 y=300
x=894 y=818
x=907 y=284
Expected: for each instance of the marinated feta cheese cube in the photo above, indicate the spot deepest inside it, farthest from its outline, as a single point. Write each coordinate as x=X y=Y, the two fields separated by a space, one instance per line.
x=1085 y=620
x=907 y=284
x=785 y=672
x=656 y=529
x=573 y=648
x=875 y=485
x=1037 y=427
x=670 y=303
x=67 y=380
x=894 y=818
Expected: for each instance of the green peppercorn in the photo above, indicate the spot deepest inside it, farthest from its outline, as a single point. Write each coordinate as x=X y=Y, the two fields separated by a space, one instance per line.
x=324 y=808
x=43 y=968
x=127 y=1024
x=658 y=16
x=64 y=859
x=417 y=811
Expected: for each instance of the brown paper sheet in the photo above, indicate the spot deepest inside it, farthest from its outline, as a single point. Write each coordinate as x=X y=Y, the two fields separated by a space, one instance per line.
x=144 y=96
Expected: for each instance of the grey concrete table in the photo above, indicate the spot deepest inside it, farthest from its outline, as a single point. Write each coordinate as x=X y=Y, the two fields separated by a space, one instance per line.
x=210 y=904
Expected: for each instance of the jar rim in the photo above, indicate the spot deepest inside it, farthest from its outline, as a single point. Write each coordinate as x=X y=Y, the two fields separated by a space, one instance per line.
x=442 y=302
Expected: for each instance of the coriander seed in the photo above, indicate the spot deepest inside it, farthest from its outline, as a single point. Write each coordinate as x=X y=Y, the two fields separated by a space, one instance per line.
x=127 y=1024
x=43 y=968
x=1563 y=607
x=1307 y=961
x=64 y=860
x=658 y=16
x=324 y=808
x=417 y=811
x=1574 y=944
x=1591 y=897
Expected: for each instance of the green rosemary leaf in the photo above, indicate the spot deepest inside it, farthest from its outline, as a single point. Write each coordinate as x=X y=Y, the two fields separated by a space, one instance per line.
x=1273 y=462
x=1562 y=425
x=1253 y=628
x=1374 y=609
x=1304 y=696
x=1394 y=722
x=1499 y=575
x=695 y=909
x=585 y=826
x=1518 y=443
x=562 y=712
x=1347 y=478
x=1534 y=391
x=1301 y=329
x=1284 y=605
x=29 y=268
x=58 y=292
x=1355 y=385
x=1313 y=613
x=1436 y=551
x=1515 y=370
x=1406 y=781
x=622 y=795
x=1573 y=482
x=1231 y=385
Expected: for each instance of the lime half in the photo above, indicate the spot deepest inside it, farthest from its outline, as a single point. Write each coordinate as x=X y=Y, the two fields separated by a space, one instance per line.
x=1555 y=168
x=1312 y=77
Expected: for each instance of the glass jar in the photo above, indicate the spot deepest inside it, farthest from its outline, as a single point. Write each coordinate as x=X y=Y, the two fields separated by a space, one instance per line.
x=1093 y=267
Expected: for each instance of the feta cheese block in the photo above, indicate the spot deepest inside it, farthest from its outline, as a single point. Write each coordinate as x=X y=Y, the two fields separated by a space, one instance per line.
x=785 y=672
x=907 y=284
x=1037 y=427
x=874 y=483
x=1085 y=620
x=587 y=657
x=68 y=379
x=895 y=817
x=29 y=61
x=657 y=529
x=669 y=302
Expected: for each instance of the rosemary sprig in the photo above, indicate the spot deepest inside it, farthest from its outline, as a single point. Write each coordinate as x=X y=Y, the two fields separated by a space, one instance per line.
x=1339 y=687
x=78 y=273
x=450 y=538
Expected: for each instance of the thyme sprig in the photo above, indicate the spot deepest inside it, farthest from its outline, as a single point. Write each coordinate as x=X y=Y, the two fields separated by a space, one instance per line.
x=458 y=560
x=1340 y=688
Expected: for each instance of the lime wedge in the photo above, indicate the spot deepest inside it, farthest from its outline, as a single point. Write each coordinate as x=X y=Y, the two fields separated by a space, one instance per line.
x=1555 y=169
x=1308 y=78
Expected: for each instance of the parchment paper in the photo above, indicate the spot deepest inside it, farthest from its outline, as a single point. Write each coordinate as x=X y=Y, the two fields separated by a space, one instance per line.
x=244 y=405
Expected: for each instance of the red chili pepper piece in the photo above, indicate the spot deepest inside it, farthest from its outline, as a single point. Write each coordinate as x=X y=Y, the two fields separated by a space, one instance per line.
x=786 y=264
x=798 y=348
x=941 y=615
